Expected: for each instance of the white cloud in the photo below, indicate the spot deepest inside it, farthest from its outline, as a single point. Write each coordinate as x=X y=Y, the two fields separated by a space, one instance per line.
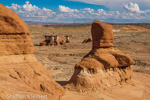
x=66 y=9
x=132 y=7
x=65 y=14
x=116 y=4
x=14 y=7
x=32 y=11
x=89 y=10
x=29 y=7
x=101 y=12
x=46 y=10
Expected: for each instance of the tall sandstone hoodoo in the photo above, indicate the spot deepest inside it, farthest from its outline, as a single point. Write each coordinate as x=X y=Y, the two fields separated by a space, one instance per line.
x=104 y=66
x=20 y=72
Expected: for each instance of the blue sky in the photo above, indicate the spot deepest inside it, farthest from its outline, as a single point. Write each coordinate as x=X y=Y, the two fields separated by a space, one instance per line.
x=53 y=4
x=80 y=11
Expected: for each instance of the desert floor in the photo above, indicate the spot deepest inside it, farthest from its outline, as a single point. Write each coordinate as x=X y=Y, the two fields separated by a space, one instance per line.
x=133 y=40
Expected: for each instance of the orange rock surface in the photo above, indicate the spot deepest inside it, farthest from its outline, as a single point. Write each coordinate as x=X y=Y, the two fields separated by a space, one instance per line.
x=14 y=34
x=102 y=34
x=20 y=72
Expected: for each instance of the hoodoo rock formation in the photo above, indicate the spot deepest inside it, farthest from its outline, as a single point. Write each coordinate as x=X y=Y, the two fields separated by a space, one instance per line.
x=67 y=39
x=104 y=66
x=53 y=40
x=20 y=72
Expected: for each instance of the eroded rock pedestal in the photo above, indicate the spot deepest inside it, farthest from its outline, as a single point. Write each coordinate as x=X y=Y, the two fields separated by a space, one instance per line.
x=104 y=66
x=53 y=40
x=20 y=72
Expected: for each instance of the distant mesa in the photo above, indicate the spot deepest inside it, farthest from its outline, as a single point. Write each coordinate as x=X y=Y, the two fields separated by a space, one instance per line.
x=20 y=72
x=104 y=66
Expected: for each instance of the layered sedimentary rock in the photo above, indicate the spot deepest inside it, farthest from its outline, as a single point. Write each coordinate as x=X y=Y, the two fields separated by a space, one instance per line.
x=104 y=66
x=20 y=72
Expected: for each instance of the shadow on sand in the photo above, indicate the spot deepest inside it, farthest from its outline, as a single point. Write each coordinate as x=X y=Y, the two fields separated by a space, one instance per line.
x=62 y=83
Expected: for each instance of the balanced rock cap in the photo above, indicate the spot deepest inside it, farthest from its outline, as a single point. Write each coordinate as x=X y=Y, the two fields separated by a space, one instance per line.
x=102 y=35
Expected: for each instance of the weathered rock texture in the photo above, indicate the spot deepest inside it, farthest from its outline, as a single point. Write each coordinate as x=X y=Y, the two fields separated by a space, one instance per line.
x=20 y=72
x=102 y=34
x=104 y=66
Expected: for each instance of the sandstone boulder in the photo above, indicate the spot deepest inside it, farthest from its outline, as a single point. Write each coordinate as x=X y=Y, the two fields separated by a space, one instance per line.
x=104 y=66
x=20 y=72
x=57 y=42
x=43 y=44
x=67 y=41
x=62 y=42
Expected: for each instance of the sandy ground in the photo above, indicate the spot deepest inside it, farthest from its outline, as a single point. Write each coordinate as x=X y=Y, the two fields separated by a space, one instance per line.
x=60 y=60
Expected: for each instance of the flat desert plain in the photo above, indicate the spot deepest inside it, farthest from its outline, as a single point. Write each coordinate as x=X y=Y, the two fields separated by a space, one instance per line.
x=132 y=39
